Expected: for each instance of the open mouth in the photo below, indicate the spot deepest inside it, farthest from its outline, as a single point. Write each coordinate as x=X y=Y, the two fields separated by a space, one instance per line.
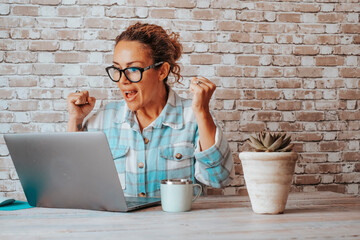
x=130 y=95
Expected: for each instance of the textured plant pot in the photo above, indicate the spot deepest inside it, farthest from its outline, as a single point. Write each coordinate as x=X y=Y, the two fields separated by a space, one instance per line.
x=268 y=177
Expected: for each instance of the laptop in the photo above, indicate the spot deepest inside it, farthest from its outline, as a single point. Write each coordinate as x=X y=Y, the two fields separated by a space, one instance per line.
x=70 y=170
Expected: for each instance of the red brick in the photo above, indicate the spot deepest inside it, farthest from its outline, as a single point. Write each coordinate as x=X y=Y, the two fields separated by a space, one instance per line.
x=229 y=71
x=19 y=105
x=204 y=59
x=286 y=61
x=187 y=24
x=252 y=127
x=20 y=57
x=25 y=10
x=329 y=61
x=330 y=17
x=313 y=157
x=308 y=94
x=230 y=26
x=306 y=50
x=307 y=179
x=350 y=28
x=6 y=117
x=352 y=157
x=347 y=50
x=307 y=7
x=206 y=14
x=44 y=45
x=290 y=127
x=181 y=4
x=251 y=16
x=330 y=83
x=120 y=12
x=326 y=39
x=248 y=94
x=70 y=34
x=357 y=166
x=349 y=72
x=47 y=69
x=245 y=104
x=73 y=11
x=270 y=72
x=230 y=116
x=248 y=60
x=46 y=2
x=311 y=29
x=268 y=94
x=348 y=178
x=7 y=69
x=349 y=135
x=332 y=188
x=66 y=57
x=161 y=13
x=246 y=37
x=309 y=72
x=349 y=115
x=47 y=117
x=288 y=83
x=22 y=82
x=271 y=28
x=310 y=116
x=227 y=94
x=308 y=137
x=6 y=93
x=332 y=146
x=204 y=37
x=289 y=17
x=356 y=40
x=353 y=94
x=269 y=116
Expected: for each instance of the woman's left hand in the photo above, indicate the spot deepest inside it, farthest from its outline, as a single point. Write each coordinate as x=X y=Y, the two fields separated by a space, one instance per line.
x=203 y=89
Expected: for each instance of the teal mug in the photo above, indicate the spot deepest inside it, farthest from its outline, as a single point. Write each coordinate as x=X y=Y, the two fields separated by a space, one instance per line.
x=177 y=195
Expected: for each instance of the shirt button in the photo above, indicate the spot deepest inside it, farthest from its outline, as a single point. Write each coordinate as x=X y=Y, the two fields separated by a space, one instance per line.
x=142 y=194
x=141 y=165
x=178 y=155
x=146 y=140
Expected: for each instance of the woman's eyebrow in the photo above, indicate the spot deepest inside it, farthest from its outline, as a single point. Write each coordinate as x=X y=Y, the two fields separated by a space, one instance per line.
x=129 y=63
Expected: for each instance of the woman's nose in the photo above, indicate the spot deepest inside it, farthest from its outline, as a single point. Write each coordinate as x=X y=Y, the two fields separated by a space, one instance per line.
x=123 y=79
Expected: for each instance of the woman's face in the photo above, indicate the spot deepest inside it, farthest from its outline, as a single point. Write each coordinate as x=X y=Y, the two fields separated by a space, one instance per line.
x=145 y=93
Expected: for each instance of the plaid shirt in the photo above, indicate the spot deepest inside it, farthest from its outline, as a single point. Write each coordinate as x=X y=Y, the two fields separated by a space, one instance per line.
x=167 y=148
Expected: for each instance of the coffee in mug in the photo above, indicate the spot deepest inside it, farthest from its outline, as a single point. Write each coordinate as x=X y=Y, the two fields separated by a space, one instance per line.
x=177 y=194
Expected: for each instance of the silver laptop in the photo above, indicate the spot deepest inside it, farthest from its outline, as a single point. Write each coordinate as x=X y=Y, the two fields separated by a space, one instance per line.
x=70 y=170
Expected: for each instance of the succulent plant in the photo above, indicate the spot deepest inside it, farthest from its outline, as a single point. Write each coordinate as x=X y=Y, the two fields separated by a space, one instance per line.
x=271 y=142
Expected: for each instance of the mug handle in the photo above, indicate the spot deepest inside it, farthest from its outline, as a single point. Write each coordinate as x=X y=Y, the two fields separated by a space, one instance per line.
x=199 y=192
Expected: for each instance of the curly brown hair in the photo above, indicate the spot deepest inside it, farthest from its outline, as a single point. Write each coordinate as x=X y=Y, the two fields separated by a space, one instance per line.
x=164 y=47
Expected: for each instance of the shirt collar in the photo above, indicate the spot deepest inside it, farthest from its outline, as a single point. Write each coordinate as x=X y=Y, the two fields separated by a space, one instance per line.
x=171 y=115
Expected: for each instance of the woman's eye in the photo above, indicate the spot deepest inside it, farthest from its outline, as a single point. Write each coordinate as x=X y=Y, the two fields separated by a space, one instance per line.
x=132 y=70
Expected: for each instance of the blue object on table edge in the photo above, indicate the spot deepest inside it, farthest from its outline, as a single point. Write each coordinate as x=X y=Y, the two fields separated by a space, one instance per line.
x=17 y=205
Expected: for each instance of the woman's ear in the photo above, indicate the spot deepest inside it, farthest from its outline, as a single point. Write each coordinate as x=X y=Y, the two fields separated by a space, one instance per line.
x=164 y=71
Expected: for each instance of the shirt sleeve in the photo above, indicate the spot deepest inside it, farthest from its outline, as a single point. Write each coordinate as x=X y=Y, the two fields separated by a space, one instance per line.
x=213 y=166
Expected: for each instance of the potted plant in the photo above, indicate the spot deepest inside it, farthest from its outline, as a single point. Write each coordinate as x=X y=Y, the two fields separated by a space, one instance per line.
x=268 y=171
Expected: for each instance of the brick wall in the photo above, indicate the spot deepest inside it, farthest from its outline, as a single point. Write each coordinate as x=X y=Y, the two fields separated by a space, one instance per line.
x=279 y=65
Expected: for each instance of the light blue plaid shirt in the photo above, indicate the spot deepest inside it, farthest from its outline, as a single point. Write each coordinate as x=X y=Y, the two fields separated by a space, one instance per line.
x=167 y=148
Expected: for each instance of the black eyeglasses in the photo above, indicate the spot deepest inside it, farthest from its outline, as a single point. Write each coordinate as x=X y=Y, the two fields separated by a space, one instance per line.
x=133 y=74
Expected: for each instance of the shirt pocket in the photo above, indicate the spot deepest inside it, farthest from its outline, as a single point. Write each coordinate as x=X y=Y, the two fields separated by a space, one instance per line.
x=176 y=161
x=120 y=154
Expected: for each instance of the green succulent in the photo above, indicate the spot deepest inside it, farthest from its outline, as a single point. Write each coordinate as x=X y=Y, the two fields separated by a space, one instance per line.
x=271 y=142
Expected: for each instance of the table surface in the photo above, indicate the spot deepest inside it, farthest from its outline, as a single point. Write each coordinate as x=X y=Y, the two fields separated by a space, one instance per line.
x=315 y=215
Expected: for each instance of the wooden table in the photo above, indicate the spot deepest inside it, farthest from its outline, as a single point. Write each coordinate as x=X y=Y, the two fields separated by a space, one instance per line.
x=307 y=216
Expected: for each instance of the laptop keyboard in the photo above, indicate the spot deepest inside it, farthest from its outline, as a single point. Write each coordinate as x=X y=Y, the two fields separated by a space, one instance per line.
x=138 y=201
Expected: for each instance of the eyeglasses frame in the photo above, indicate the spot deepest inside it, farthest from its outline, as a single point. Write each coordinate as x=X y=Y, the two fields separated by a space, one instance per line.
x=122 y=71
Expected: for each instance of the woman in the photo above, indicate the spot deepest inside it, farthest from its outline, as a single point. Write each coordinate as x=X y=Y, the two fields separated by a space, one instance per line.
x=153 y=133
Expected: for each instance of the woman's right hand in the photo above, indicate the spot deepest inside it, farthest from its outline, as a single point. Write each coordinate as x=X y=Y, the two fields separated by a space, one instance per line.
x=79 y=105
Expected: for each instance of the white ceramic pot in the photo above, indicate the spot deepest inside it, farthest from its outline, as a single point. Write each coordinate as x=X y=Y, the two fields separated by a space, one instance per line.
x=268 y=177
